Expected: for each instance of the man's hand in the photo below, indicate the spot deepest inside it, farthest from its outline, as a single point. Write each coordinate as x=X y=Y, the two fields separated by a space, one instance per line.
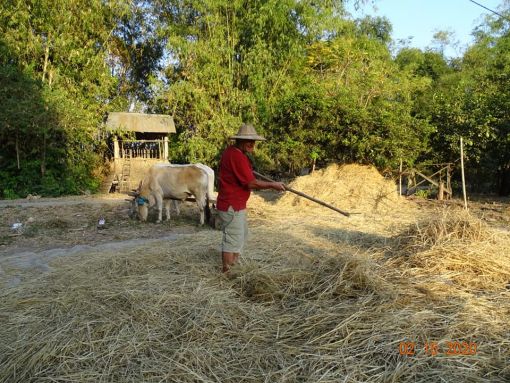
x=259 y=184
x=278 y=186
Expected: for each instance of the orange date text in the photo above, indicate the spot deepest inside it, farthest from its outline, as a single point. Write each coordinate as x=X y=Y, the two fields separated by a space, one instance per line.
x=452 y=348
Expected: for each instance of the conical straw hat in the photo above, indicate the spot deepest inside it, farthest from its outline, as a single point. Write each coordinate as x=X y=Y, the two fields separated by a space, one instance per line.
x=247 y=132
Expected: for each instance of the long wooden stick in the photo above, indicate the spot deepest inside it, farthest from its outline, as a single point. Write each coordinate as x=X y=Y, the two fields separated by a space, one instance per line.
x=305 y=195
x=462 y=170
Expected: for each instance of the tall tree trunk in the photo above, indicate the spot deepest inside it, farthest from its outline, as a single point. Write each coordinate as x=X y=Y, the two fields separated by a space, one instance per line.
x=46 y=57
x=17 y=151
x=43 y=157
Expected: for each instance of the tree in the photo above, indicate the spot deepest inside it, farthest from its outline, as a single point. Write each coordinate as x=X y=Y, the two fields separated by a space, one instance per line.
x=233 y=61
x=378 y=28
x=55 y=80
x=135 y=53
x=470 y=100
x=359 y=109
x=489 y=67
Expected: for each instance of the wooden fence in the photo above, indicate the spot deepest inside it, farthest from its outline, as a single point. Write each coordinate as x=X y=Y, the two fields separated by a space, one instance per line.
x=141 y=149
x=437 y=175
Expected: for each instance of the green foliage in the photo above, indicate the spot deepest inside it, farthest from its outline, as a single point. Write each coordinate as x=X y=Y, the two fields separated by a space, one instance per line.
x=233 y=62
x=239 y=61
x=378 y=28
x=423 y=193
x=362 y=110
x=136 y=51
x=53 y=85
x=469 y=99
x=320 y=87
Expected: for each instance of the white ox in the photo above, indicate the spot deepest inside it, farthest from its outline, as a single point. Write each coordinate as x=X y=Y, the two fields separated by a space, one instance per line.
x=167 y=182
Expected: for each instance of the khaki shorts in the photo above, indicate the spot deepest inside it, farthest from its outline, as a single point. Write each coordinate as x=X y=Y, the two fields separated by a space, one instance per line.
x=235 y=230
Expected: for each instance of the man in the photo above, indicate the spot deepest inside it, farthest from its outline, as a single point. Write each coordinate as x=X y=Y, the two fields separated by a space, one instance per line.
x=236 y=180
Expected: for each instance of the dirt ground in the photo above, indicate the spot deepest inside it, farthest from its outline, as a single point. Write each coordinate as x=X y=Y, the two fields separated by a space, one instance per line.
x=32 y=231
x=49 y=223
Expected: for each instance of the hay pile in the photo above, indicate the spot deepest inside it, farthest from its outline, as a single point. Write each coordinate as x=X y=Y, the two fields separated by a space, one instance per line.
x=445 y=226
x=167 y=314
x=351 y=187
x=458 y=249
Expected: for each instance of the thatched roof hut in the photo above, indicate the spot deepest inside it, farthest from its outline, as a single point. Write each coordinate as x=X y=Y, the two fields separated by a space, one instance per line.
x=140 y=122
x=134 y=154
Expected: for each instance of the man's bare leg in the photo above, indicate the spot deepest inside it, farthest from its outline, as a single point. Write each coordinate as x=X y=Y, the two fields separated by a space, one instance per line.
x=229 y=260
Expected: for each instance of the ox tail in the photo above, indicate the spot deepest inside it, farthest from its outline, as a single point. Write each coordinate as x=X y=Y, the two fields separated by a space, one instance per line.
x=209 y=195
x=210 y=179
x=207 y=210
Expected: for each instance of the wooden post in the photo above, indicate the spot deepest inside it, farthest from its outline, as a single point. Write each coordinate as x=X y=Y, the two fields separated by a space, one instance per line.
x=462 y=172
x=165 y=148
x=448 y=181
x=440 y=193
x=400 y=179
x=116 y=152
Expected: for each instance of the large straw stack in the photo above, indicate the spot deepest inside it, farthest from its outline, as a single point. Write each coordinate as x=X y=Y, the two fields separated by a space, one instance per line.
x=351 y=187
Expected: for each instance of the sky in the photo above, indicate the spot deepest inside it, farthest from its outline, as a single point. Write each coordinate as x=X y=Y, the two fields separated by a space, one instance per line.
x=420 y=19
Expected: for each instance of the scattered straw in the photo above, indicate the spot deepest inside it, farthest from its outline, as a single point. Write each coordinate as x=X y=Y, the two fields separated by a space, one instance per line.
x=314 y=299
x=445 y=226
x=457 y=248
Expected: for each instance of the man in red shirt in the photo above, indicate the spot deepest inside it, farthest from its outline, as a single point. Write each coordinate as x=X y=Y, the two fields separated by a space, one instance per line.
x=236 y=180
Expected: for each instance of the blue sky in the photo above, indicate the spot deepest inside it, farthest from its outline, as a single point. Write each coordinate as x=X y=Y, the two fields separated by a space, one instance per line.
x=422 y=18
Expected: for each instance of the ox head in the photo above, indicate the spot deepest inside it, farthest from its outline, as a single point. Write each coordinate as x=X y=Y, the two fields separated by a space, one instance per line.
x=142 y=202
x=137 y=202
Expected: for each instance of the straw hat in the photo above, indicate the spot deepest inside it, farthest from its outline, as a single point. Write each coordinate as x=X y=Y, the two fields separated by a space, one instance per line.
x=247 y=132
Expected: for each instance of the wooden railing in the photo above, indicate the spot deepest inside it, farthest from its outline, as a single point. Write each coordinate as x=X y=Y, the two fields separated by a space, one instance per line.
x=440 y=178
x=141 y=149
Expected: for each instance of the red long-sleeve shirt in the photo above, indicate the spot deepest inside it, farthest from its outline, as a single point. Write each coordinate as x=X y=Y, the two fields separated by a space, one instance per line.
x=235 y=174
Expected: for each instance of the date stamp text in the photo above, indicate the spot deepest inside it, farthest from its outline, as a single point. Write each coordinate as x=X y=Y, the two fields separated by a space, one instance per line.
x=453 y=348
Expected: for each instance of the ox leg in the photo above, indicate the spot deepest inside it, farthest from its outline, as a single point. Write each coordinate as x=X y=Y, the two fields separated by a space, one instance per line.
x=167 y=202
x=201 y=206
x=176 y=207
x=159 y=205
x=133 y=208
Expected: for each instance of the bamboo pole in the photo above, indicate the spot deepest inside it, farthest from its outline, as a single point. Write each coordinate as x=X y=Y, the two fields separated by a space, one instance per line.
x=287 y=188
x=462 y=172
x=400 y=179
